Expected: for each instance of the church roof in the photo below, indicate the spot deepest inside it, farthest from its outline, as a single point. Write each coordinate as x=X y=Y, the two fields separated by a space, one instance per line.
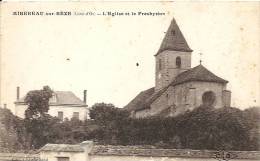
x=174 y=39
x=139 y=101
x=61 y=98
x=198 y=73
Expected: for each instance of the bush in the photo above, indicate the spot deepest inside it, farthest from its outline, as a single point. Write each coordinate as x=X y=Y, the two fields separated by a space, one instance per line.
x=202 y=128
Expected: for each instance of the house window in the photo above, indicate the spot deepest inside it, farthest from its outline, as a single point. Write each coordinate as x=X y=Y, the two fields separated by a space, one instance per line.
x=76 y=115
x=53 y=99
x=178 y=62
x=160 y=64
x=63 y=158
x=60 y=115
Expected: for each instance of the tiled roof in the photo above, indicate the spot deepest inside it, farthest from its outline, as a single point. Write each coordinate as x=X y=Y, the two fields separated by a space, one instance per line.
x=165 y=112
x=198 y=73
x=144 y=99
x=62 y=148
x=110 y=150
x=174 y=39
x=61 y=98
x=154 y=96
x=139 y=101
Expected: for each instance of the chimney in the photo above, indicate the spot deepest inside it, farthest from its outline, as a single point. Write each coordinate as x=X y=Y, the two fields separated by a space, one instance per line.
x=85 y=96
x=17 y=93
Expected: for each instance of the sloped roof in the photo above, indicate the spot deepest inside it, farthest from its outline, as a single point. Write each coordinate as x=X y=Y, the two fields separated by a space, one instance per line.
x=144 y=99
x=165 y=112
x=61 y=98
x=154 y=96
x=67 y=97
x=174 y=39
x=139 y=101
x=62 y=148
x=198 y=73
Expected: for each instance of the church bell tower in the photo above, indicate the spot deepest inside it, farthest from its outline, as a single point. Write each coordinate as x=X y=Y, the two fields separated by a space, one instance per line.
x=173 y=57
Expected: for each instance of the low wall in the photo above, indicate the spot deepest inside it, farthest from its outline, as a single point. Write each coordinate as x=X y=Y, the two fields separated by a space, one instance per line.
x=19 y=157
x=88 y=151
x=143 y=158
x=133 y=153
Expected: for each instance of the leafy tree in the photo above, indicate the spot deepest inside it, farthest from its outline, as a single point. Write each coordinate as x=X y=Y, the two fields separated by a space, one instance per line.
x=206 y=128
x=38 y=102
x=111 y=122
x=251 y=117
x=36 y=118
x=11 y=131
x=203 y=128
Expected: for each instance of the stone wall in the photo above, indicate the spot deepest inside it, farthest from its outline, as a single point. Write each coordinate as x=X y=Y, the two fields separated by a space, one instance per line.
x=142 y=153
x=226 y=97
x=53 y=155
x=202 y=87
x=18 y=157
x=169 y=69
x=142 y=113
x=132 y=153
x=143 y=158
x=145 y=153
x=187 y=96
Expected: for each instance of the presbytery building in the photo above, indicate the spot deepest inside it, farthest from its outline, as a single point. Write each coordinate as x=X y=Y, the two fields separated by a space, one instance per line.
x=63 y=105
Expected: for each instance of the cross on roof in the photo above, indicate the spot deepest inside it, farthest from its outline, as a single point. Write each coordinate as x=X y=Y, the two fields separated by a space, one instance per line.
x=200 y=57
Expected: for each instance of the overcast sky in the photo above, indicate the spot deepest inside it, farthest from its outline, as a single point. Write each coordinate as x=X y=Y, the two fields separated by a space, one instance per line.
x=99 y=53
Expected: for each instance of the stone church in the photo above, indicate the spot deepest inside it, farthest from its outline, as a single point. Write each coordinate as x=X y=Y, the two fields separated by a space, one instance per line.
x=178 y=86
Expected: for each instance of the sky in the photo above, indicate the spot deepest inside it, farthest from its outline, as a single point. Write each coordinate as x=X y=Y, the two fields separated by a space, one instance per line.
x=100 y=53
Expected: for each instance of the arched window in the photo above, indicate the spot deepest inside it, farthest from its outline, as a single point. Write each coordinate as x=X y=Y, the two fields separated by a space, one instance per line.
x=160 y=64
x=208 y=98
x=178 y=62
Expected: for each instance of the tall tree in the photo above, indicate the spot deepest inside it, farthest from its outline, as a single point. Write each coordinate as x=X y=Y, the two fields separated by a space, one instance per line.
x=37 y=121
x=38 y=102
x=110 y=121
x=11 y=131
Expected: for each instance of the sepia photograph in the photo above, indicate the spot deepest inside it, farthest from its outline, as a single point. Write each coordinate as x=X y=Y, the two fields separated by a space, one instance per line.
x=133 y=81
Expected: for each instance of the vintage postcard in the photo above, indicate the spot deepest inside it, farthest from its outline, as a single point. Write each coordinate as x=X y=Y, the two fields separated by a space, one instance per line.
x=135 y=81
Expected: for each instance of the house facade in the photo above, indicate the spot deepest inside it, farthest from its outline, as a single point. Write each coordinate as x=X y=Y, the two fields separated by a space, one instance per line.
x=62 y=104
x=178 y=86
